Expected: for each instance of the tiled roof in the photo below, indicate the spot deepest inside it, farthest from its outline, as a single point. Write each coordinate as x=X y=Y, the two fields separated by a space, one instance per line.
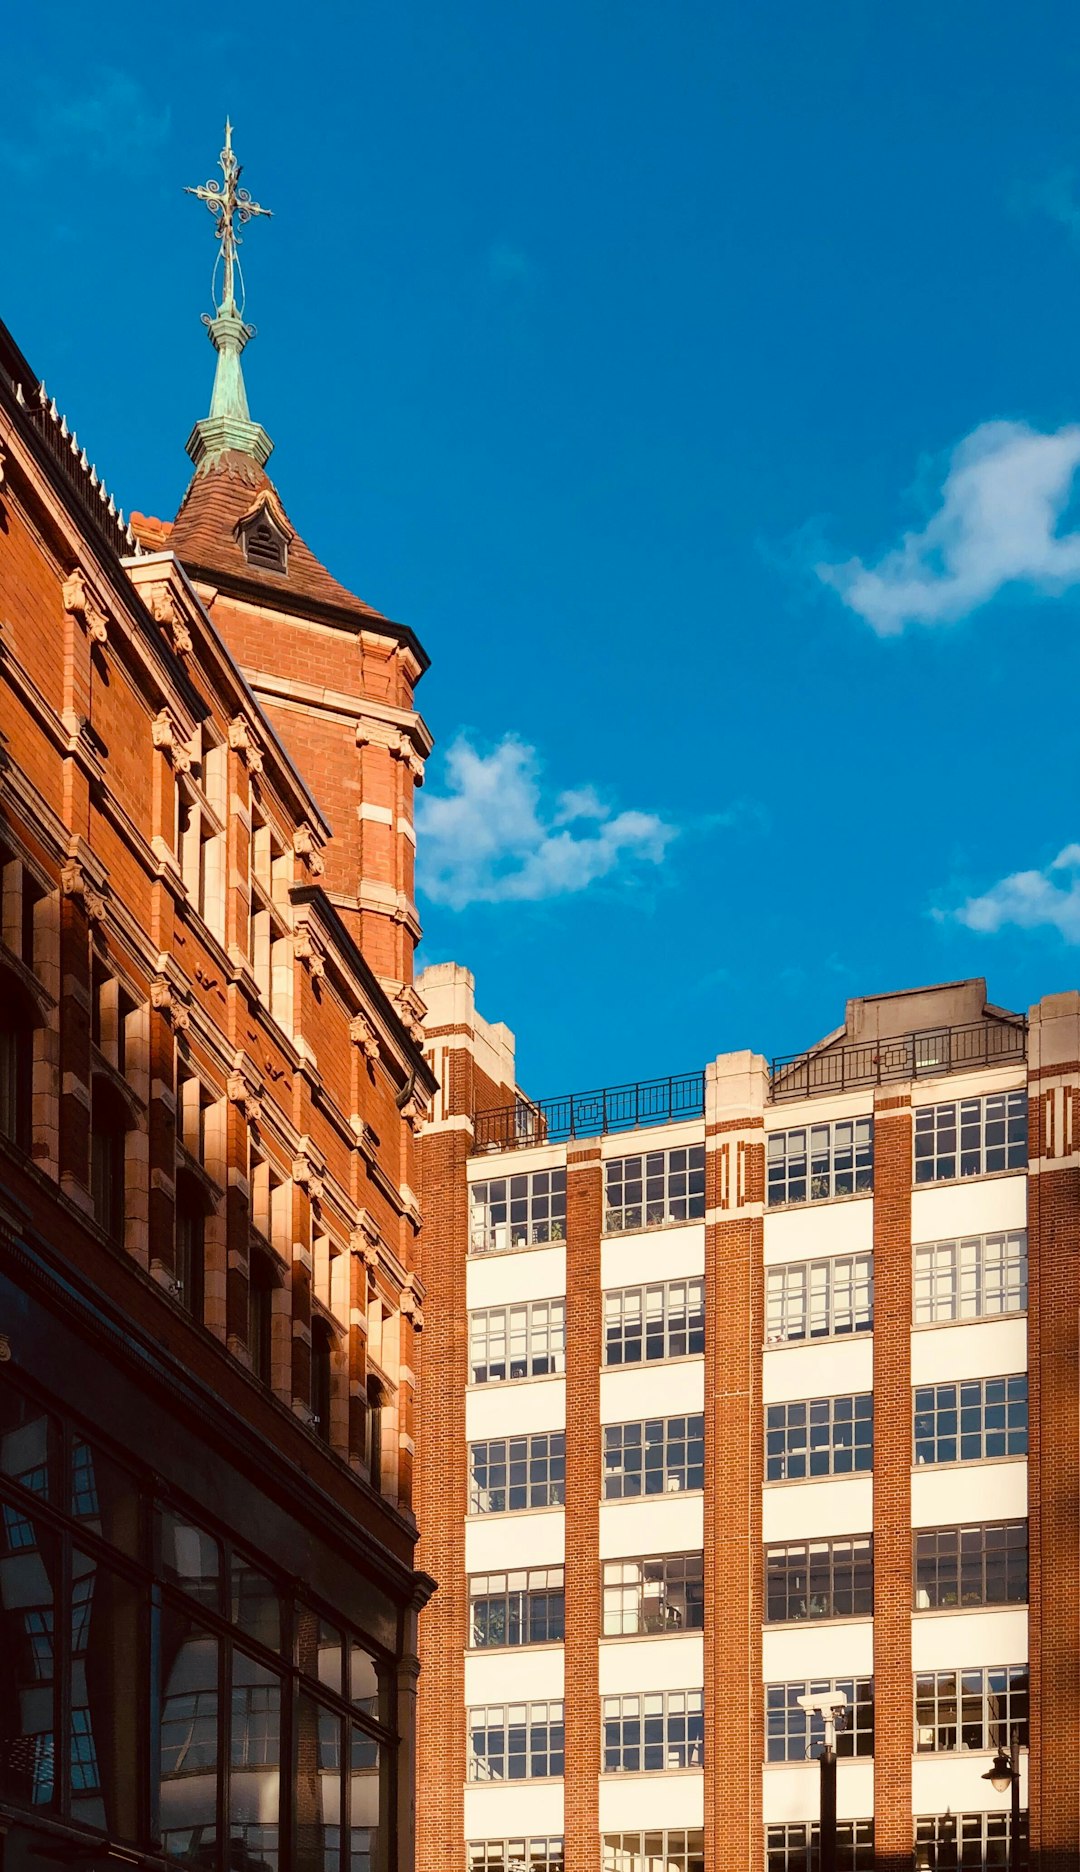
x=204 y=537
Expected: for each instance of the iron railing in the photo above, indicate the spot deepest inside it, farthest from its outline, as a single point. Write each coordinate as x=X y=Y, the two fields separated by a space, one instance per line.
x=590 y=1114
x=923 y=1055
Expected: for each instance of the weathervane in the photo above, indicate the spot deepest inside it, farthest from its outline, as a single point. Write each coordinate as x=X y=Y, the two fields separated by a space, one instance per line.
x=229 y=204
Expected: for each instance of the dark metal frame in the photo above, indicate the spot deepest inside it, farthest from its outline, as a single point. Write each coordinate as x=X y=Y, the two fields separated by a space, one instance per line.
x=927 y=1054
x=590 y=1114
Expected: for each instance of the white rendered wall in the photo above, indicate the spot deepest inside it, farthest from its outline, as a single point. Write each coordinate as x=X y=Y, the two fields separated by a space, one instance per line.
x=662 y=1389
x=792 y=1791
x=969 y=1492
x=503 y=1809
x=830 y=1368
x=954 y=1784
x=652 y=1255
x=500 y=1410
x=519 y=1274
x=663 y=1524
x=813 y=1231
x=823 y=1108
x=675 y=1798
x=962 y=1640
x=494 y=1543
x=673 y=1662
x=975 y=1206
x=520 y=1674
x=652 y=1138
x=792 y=1511
x=977 y=1349
x=796 y=1653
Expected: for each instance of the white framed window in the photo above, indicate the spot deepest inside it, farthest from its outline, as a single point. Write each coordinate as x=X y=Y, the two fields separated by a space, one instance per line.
x=520 y=1608
x=664 y=1593
x=819 y=1437
x=507 y=1474
x=819 y=1579
x=661 y=1455
x=816 y=1163
x=516 y=1855
x=975 y=1420
x=986 y=1564
x=971 y=1137
x=516 y=1742
x=521 y=1211
x=793 y=1846
x=652 y=1732
x=662 y=1321
x=975 y=1277
x=970 y=1842
x=818 y=1299
x=511 y=1342
x=970 y=1709
x=671 y=1849
x=654 y=1188
x=793 y=1734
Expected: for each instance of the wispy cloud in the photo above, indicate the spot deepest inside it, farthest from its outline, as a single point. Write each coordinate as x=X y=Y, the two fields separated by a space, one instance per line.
x=103 y=123
x=1047 y=899
x=497 y=836
x=1002 y=498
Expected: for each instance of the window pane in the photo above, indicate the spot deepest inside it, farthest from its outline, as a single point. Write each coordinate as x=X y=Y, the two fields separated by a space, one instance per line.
x=189 y=1739
x=107 y=1713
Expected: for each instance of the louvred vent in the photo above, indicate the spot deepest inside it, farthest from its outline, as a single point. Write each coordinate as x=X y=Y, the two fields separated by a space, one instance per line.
x=264 y=545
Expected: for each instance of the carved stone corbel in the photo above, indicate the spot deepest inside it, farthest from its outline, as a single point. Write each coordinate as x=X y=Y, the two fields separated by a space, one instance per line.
x=167 y=737
x=412 y=1011
x=244 y=1087
x=415 y=1111
x=164 y=610
x=305 y=847
x=309 y=1170
x=243 y=742
x=75 y=883
x=308 y=950
x=363 y=1035
x=80 y=601
x=171 y=1001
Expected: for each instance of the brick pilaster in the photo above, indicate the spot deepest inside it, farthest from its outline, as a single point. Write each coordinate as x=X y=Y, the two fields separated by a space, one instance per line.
x=893 y=1715
x=584 y=1217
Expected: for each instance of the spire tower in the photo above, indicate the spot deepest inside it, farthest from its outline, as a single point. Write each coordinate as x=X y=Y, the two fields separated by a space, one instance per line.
x=229 y=425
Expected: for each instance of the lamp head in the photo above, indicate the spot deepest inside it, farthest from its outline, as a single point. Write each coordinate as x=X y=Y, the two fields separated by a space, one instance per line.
x=1000 y=1772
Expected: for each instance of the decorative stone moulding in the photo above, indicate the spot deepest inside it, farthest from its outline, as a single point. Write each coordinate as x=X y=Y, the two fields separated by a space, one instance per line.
x=3 y=466
x=243 y=742
x=363 y=1035
x=165 y=610
x=244 y=1087
x=309 y=1170
x=308 y=950
x=365 y=1240
x=169 y=998
x=168 y=738
x=75 y=883
x=415 y=1111
x=405 y=751
x=412 y=1011
x=80 y=601
x=305 y=847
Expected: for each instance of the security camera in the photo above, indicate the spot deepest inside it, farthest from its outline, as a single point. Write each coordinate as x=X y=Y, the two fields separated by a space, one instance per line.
x=824 y=1703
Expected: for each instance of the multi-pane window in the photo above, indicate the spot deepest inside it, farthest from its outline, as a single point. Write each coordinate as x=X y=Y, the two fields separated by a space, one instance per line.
x=970 y=1842
x=972 y=1420
x=971 y=1137
x=663 y=1321
x=648 y=1733
x=654 y=1188
x=821 y=1161
x=657 y=1595
x=976 y=1277
x=523 y=1608
x=510 y=1473
x=517 y=1211
x=526 y=1341
x=819 y=1437
x=971 y=1709
x=515 y=1742
x=271 y=938
x=793 y=1734
x=679 y=1849
x=656 y=1457
x=971 y=1566
x=818 y=1299
x=820 y=1579
x=202 y=810
x=516 y=1855
x=793 y=1846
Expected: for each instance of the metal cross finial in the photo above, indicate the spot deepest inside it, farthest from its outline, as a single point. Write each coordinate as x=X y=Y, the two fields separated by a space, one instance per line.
x=229 y=204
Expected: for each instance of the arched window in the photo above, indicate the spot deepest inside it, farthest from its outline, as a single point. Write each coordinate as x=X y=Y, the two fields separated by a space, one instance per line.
x=17 y=1022
x=322 y=1353
x=190 y=1244
x=261 y=1284
x=108 y=1129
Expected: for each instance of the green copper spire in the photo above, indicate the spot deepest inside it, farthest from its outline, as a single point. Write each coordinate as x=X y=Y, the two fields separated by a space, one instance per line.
x=229 y=424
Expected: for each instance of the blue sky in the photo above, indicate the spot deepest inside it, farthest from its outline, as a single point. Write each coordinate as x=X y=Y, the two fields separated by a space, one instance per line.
x=700 y=381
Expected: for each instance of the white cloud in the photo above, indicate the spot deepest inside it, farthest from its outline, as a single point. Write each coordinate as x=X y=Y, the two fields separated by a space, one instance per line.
x=1048 y=899
x=490 y=839
x=1003 y=496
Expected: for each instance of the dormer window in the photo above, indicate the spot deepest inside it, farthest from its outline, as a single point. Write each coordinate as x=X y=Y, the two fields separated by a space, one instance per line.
x=265 y=542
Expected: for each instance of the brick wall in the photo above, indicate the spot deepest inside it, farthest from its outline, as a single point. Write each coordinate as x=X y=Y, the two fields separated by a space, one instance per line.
x=584 y=1344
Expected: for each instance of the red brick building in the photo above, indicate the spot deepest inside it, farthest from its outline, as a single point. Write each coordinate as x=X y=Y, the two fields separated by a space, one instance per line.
x=210 y=1085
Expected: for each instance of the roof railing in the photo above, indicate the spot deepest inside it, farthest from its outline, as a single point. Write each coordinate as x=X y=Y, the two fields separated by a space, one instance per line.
x=590 y=1114
x=923 y=1055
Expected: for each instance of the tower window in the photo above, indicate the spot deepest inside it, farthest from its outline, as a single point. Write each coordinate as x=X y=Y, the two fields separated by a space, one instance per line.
x=266 y=544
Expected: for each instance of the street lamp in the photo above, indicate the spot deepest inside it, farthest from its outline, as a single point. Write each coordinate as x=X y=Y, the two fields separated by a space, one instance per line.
x=1004 y=1772
x=830 y=1705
